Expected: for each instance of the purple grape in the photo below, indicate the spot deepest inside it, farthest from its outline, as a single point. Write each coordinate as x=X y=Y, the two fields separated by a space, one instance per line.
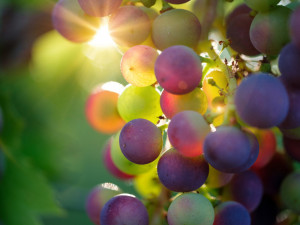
x=245 y=188
x=99 y=8
x=289 y=65
x=181 y=174
x=292 y=119
x=97 y=198
x=140 y=141
x=274 y=172
x=178 y=69
x=187 y=131
x=294 y=26
x=227 y=149
x=239 y=10
x=72 y=23
x=269 y=31
x=238 y=33
x=292 y=148
x=231 y=213
x=262 y=101
x=254 y=146
x=124 y=209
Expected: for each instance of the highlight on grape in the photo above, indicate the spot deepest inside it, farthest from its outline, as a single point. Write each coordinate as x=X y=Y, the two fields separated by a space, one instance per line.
x=207 y=128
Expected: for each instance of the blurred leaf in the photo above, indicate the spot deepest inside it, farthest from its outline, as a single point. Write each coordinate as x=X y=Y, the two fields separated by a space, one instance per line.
x=25 y=194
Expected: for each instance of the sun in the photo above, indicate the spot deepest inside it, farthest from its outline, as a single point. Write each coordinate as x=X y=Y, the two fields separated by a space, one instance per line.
x=102 y=37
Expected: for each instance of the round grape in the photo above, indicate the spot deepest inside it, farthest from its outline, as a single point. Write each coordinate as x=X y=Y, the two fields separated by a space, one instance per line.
x=294 y=27
x=261 y=5
x=99 y=8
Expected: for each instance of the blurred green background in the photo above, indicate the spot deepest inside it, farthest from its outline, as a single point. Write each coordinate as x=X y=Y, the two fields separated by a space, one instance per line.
x=50 y=157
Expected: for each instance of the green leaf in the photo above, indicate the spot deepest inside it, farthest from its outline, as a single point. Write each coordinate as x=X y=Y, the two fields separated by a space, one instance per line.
x=25 y=195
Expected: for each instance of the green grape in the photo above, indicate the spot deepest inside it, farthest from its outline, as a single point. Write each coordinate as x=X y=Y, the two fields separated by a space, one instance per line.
x=147 y=184
x=123 y=163
x=261 y=5
x=140 y=102
x=289 y=191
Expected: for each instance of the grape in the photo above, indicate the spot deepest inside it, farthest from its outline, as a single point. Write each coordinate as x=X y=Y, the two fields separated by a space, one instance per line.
x=294 y=26
x=289 y=65
x=261 y=5
x=289 y=191
x=181 y=174
x=238 y=33
x=227 y=149
x=110 y=166
x=217 y=179
x=102 y=112
x=139 y=102
x=269 y=30
x=99 y=8
x=123 y=163
x=239 y=10
x=137 y=65
x=172 y=104
x=124 y=209
x=274 y=172
x=187 y=131
x=147 y=184
x=140 y=141
x=190 y=208
x=267 y=147
x=292 y=147
x=211 y=91
x=177 y=1
x=231 y=213
x=245 y=188
x=254 y=149
x=178 y=69
x=97 y=198
x=129 y=26
x=292 y=119
x=265 y=213
x=261 y=101
x=72 y=23
x=176 y=27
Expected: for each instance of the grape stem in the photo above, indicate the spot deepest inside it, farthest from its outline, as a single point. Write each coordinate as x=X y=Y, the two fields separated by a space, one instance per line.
x=229 y=114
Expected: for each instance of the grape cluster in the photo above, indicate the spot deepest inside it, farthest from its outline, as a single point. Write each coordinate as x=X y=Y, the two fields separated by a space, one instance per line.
x=208 y=127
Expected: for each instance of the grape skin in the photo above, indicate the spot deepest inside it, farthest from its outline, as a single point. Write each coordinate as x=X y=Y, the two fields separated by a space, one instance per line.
x=178 y=69
x=239 y=10
x=129 y=26
x=181 y=174
x=99 y=8
x=245 y=188
x=261 y=5
x=289 y=191
x=140 y=141
x=289 y=65
x=71 y=22
x=171 y=104
x=227 y=149
x=269 y=31
x=231 y=213
x=190 y=208
x=124 y=209
x=187 y=131
x=294 y=27
x=176 y=27
x=262 y=101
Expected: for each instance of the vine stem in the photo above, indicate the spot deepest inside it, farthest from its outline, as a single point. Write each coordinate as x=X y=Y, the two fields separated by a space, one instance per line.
x=207 y=47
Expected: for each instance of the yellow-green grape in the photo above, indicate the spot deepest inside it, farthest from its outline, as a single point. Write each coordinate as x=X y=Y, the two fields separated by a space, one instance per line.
x=123 y=163
x=217 y=179
x=148 y=184
x=137 y=65
x=213 y=91
x=218 y=121
x=140 y=102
